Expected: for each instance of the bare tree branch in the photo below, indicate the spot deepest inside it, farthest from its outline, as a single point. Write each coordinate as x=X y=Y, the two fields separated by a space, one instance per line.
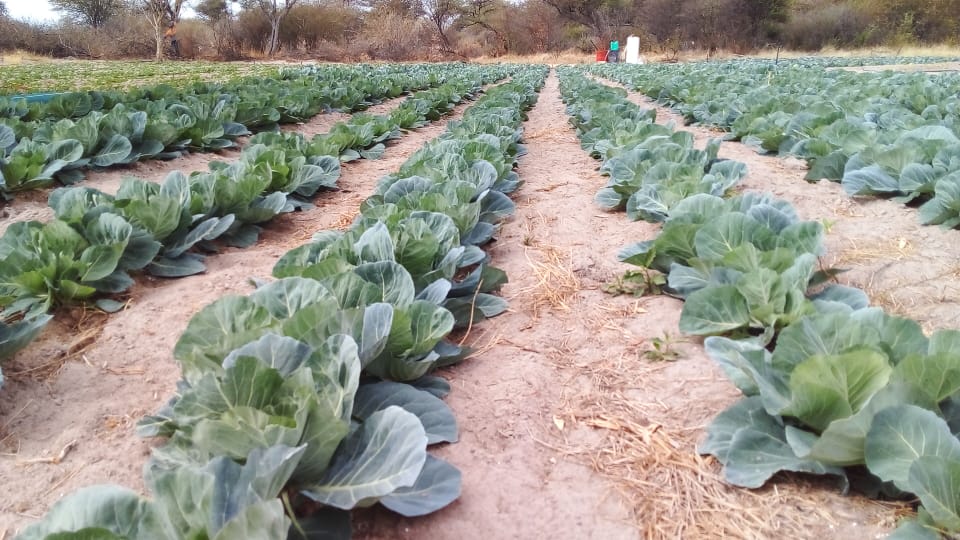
x=275 y=11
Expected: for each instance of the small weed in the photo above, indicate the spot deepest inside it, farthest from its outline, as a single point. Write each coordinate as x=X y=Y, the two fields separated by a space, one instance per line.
x=636 y=283
x=662 y=348
x=827 y=225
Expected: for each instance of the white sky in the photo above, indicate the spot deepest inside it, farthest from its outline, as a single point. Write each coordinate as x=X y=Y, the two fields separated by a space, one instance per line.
x=32 y=10
x=41 y=11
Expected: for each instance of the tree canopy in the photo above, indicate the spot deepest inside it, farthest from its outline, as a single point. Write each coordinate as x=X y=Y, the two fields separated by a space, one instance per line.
x=93 y=13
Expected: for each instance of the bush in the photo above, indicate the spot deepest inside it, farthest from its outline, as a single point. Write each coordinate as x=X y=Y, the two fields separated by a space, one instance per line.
x=307 y=25
x=394 y=36
x=253 y=31
x=838 y=25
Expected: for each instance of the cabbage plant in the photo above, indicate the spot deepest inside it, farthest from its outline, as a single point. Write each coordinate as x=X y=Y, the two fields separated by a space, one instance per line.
x=844 y=392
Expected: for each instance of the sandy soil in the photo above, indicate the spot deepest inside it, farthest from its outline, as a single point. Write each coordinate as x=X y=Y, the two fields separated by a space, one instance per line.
x=568 y=429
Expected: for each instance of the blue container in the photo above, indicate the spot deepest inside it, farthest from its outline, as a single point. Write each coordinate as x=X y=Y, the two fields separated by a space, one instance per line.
x=37 y=98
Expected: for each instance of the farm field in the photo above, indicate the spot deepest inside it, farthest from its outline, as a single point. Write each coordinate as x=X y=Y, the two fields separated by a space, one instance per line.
x=478 y=242
x=73 y=76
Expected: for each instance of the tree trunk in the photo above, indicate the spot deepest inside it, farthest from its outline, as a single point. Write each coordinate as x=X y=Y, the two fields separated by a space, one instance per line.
x=274 y=36
x=159 y=52
x=447 y=47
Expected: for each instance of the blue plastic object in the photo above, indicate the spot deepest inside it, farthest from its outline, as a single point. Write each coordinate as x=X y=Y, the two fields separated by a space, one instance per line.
x=37 y=98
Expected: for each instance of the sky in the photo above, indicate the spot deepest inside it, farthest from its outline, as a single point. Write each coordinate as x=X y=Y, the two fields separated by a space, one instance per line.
x=33 y=10
x=41 y=11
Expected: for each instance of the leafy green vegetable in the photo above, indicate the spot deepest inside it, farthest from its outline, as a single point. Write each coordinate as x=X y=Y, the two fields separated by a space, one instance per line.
x=831 y=385
x=283 y=390
x=219 y=500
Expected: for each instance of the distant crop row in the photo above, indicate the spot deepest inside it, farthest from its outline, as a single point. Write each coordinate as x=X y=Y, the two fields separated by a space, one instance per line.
x=651 y=167
x=878 y=134
x=831 y=385
x=97 y=240
x=44 y=143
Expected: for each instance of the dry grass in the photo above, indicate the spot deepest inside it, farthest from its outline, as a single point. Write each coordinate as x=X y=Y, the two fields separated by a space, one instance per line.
x=303 y=225
x=83 y=326
x=561 y=57
x=303 y=235
x=648 y=453
x=886 y=297
x=916 y=297
x=953 y=272
x=847 y=207
x=888 y=249
x=899 y=277
x=572 y=56
x=613 y=317
x=617 y=415
x=695 y=55
x=676 y=493
x=881 y=291
x=14 y=58
x=556 y=282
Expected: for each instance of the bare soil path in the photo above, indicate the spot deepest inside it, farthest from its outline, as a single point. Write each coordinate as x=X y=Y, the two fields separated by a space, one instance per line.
x=567 y=430
x=518 y=482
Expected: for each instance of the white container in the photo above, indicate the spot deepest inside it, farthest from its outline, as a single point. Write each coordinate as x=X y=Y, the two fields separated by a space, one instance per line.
x=633 y=50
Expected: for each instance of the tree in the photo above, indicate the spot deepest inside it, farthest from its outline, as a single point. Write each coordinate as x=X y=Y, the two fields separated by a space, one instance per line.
x=441 y=13
x=411 y=8
x=481 y=13
x=93 y=13
x=162 y=15
x=218 y=15
x=928 y=21
x=3 y=10
x=275 y=11
x=213 y=10
x=602 y=17
x=764 y=15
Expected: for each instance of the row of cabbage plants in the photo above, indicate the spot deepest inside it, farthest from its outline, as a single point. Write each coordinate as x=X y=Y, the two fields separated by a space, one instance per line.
x=831 y=385
x=651 y=167
x=297 y=90
x=824 y=62
x=313 y=395
x=878 y=134
x=97 y=239
x=58 y=141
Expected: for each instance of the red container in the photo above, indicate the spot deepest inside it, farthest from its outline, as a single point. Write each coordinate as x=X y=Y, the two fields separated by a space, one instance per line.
x=601 y=56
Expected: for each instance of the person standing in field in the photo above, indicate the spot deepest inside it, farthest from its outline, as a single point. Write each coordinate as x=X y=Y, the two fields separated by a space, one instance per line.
x=171 y=33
